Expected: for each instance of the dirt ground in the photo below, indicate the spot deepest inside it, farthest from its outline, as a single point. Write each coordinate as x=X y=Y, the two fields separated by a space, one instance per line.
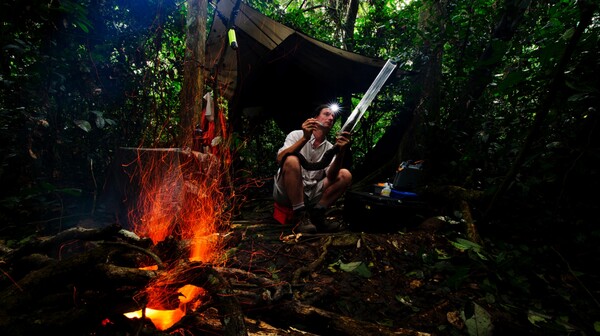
x=405 y=278
x=393 y=279
x=417 y=279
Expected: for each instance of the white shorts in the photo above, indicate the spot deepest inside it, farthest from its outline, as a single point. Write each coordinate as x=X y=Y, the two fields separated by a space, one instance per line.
x=312 y=193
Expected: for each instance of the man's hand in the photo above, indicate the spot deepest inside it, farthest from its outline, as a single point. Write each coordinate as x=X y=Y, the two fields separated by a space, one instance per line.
x=343 y=140
x=309 y=126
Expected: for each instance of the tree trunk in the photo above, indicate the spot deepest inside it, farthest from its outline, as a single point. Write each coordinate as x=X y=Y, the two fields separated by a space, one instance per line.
x=433 y=18
x=193 y=81
x=400 y=141
x=349 y=24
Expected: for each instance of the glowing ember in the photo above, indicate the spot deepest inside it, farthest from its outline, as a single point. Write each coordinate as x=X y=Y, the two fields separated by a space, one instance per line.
x=165 y=318
x=162 y=319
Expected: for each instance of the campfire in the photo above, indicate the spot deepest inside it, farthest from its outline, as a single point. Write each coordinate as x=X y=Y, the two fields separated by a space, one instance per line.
x=181 y=198
x=158 y=269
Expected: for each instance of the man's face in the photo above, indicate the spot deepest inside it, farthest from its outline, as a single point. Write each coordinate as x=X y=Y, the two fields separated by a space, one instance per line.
x=326 y=117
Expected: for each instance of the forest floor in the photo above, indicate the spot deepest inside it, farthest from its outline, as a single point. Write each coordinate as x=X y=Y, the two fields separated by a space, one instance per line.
x=421 y=280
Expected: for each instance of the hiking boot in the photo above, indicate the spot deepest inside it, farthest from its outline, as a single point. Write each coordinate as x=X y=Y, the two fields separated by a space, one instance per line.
x=317 y=216
x=303 y=223
x=330 y=227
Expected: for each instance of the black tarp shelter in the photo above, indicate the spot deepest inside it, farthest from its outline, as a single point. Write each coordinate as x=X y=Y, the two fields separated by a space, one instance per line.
x=277 y=72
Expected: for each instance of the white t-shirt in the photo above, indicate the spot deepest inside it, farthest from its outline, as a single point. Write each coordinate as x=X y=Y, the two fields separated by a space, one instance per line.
x=311 y=178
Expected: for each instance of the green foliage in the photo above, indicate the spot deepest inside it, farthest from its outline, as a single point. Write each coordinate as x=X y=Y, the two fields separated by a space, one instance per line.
x=82 y=78
x=511 y=282
x=76 y=86
x=257 y=154
x=466 y=245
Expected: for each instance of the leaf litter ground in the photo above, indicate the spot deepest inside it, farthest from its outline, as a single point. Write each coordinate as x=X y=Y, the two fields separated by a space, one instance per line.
x=419 y=278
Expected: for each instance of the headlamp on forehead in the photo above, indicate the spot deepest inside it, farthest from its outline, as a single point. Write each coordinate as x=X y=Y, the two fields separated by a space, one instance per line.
x=334 y=107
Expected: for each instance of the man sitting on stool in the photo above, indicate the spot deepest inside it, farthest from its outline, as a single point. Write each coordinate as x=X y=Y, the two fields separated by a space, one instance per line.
x=302 y=189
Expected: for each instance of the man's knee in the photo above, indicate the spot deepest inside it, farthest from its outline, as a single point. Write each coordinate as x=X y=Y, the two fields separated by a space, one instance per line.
x=345 y=176
x=291 y=162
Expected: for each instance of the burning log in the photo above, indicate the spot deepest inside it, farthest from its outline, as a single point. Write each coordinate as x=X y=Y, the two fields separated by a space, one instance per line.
x=68 y=294
x=80 y=293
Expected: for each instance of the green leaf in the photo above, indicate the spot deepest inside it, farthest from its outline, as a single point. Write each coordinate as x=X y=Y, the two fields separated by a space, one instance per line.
x=405 y=300
x=535 y=317
x=442 y=255
x=100 y=122
x=351 y=266
x=84 y=125
x=481 y=256
x=357 y=267
x=83 y=26
x=568 y=34
x=459 y=246
x=477 y=320
x=14 y=47
x=468 y=243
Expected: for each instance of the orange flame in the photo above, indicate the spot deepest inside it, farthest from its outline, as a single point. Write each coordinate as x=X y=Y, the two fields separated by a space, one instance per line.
x=181 y=196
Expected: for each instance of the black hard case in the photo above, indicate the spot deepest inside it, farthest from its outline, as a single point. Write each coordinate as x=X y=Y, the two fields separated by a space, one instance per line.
x=367 y=211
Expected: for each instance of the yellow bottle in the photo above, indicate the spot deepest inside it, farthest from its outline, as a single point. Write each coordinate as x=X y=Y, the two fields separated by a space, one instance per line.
x=387 y=190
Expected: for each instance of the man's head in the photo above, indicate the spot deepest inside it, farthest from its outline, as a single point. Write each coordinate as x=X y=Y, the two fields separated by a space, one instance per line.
x=332 y=107
x=325 y=115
